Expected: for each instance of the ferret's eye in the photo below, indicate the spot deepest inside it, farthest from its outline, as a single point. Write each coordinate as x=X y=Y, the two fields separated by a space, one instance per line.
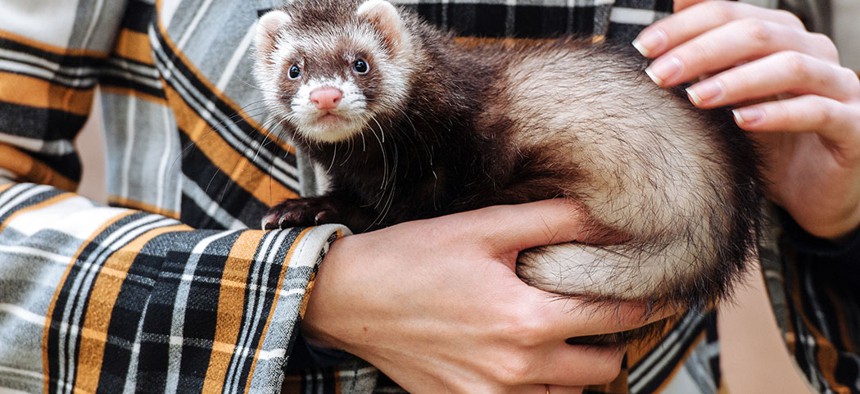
x=295 y=72
x=360 y=66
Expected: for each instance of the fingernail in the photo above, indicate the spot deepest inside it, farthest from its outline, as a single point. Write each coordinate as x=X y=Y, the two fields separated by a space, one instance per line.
x=650 y=41
x=748 y=116
x=705 y=92
x=664 y=69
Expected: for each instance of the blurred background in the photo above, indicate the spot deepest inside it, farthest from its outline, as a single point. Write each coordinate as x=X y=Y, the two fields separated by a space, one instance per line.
x=754 y=358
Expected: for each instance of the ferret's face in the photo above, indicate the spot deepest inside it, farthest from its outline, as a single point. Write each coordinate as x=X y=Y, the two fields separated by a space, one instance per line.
x=325 y=85
x=330 y=81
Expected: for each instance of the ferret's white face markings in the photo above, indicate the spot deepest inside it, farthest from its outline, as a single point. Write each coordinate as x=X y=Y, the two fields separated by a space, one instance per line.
x=324 y=63
x=346 y=119
x=326 y=57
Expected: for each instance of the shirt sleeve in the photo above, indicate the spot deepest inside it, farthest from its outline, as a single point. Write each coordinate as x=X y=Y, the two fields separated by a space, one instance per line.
x=117 y=299
x=106 y=299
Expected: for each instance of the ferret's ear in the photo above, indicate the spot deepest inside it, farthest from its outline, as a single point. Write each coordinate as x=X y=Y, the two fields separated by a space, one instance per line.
x=385 y=18
x=267 y=29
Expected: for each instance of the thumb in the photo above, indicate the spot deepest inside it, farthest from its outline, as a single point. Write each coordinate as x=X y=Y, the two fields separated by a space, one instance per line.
x=513 y=228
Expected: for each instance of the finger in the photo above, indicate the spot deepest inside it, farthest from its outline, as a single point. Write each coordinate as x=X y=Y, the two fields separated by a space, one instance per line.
x=562 y=318
x=564 y=366
x=782 y=73
x=581 y=365
x=834 y=121
x=545 y=389
x=550 y=389
x=512 y=228
x=679 y=28
x=735 y=43
x=680 y=5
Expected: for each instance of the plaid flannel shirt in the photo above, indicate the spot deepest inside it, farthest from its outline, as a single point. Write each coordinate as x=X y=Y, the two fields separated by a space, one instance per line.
x=167 y=290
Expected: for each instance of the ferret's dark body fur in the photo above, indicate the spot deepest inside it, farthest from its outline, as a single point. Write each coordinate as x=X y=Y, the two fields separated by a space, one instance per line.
x=502 y=123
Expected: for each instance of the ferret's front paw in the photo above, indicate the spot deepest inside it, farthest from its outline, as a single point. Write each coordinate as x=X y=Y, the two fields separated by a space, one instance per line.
x=301 y=213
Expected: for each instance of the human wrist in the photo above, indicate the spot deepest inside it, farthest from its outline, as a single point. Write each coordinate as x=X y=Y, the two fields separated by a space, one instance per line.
x=850 y=227
x=838 y=230
x=319 y=324
x=836 y=246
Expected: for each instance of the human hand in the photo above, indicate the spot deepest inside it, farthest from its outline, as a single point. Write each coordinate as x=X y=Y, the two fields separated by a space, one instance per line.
x=788 y=90
x=436 y=305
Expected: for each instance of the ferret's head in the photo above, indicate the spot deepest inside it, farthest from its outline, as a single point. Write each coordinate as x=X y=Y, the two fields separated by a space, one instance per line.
x=332 y=67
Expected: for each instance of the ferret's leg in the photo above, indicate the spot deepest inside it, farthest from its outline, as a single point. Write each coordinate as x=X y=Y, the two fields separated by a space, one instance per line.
x=311 y=211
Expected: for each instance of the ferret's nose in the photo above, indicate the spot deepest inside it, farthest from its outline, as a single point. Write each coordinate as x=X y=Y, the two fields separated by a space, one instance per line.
x=326 y=98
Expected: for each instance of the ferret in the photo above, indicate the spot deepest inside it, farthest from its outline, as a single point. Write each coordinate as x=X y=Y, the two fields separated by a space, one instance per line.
x=411 y=123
